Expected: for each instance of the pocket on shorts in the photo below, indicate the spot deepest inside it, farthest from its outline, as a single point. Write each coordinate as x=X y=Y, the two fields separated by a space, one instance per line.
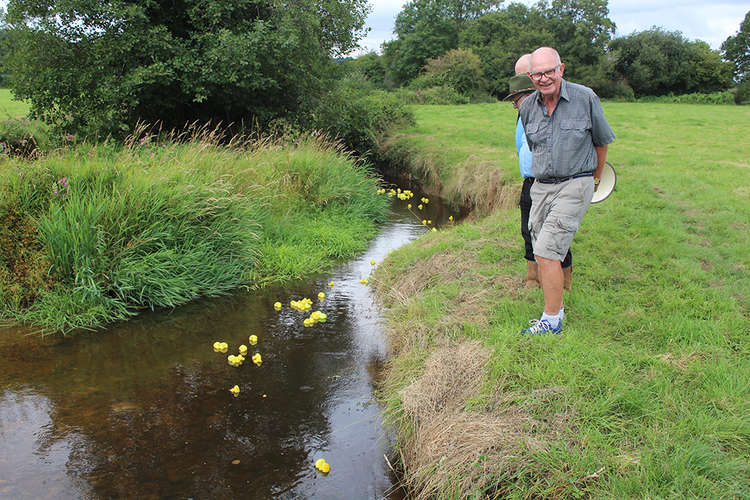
x=568 y=224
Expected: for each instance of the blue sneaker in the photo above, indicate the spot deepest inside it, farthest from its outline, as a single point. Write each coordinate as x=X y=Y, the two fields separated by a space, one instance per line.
x=541 y=327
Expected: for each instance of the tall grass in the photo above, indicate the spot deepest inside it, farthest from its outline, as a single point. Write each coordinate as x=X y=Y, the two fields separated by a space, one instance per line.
x=155 y=225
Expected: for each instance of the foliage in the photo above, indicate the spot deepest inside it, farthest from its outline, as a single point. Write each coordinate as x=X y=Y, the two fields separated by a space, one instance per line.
x=737 y=50
x=742 y=94
x=372 y=66
x=428 y=29
x=357 y=114
x=460 y=69
x=725 y=97
x=657 y=62
x=103 y=232
x=415 y=94
x=24 y=137
x=100 y=67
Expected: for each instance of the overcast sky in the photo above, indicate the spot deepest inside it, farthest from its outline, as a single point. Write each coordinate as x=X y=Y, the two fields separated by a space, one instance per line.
x=711 y=22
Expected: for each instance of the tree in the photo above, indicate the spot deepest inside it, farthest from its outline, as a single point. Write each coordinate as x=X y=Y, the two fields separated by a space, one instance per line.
x=737 y=50
x=658 y=62
x=428 y=29
x=578 y=29
x=99 y=67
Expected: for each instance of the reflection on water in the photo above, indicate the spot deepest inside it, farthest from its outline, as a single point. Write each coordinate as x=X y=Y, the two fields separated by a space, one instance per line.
x=144 y=410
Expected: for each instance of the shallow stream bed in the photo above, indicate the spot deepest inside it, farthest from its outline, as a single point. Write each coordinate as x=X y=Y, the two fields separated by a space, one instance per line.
x=143 y=410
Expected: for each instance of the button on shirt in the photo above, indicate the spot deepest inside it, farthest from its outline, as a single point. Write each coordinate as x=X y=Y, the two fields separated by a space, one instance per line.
x=564 y=144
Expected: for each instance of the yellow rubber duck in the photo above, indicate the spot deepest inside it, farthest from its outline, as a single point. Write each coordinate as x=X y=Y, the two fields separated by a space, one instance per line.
x=419 y=206
x=277 y=306
x=235 y=391
x=322 y=466
x=363 y=281
x=217 y=346
x=252 y=339
x=330 y=283
x=243 y=349
x=450 y=218
x=321 y=296
x=257 y=359
x=372 y=262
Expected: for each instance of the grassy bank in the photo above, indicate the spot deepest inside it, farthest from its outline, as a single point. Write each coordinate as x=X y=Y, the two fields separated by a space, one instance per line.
x=94 y=234
x=645 y=394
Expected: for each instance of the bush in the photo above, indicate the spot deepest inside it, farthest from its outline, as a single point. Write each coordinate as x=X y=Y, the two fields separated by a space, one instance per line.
x=742 y=94
x=443 y=94
x=725 y=97
x=458 y=68
x=23 y=137
x=358 y=115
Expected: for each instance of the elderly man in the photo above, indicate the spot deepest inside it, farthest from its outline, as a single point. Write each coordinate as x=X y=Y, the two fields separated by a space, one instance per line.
x=519 y=88
x=568 y=136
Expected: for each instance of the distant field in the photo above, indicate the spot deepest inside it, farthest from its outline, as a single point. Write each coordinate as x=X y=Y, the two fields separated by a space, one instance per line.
x=9 y=107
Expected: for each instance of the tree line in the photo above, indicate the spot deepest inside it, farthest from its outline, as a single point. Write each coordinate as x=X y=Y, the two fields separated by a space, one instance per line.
x=648 y=63
x=97 y=68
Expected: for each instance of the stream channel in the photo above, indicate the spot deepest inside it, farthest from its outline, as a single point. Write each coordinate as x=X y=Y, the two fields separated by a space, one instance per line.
x=143 y=410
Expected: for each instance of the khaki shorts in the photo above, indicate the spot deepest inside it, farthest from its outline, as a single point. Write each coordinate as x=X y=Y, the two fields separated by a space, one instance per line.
x=556 y=213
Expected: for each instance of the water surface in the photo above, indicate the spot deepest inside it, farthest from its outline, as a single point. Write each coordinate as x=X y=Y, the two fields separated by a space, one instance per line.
x=143 y=410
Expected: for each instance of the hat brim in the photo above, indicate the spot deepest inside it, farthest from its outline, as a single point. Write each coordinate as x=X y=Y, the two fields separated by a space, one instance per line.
x=606 y=183
x=520 y=91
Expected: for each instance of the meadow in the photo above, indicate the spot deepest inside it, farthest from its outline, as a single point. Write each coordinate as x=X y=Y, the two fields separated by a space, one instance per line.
x=92 y=234
x=645 y=393
x=9 y=107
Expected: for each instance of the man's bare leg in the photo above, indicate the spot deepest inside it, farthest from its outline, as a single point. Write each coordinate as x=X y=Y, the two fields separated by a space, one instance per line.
x=551 y=276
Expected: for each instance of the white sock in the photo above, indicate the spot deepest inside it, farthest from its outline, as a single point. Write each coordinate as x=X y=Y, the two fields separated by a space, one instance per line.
x=552 y=319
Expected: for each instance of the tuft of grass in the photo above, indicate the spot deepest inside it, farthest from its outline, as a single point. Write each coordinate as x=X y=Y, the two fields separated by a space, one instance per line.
x=645 y=392
x=112 y=230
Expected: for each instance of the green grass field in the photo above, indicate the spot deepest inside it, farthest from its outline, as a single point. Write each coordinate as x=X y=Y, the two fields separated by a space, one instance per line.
x=9 y=107
x=646 y=393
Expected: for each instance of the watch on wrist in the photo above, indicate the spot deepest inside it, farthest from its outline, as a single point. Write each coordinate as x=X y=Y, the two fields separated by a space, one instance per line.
x=597 y=180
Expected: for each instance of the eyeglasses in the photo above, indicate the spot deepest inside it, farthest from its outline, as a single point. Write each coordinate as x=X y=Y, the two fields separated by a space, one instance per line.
x=549 y=73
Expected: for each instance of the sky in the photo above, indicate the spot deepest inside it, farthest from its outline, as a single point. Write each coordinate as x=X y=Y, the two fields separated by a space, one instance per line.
x=712 y=22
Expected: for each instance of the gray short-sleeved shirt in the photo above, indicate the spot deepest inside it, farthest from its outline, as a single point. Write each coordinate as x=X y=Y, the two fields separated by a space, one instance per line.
x=563 y=144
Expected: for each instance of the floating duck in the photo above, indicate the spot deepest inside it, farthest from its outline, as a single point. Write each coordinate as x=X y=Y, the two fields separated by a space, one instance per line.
x=322 y=466
x=277 y=306
x=220 y=346
x=235 y=360
x=235 y=391
x=257 y=359
x=450 y=218
x=429 y=222
x=425 y=200
x=434 y=229
x=252 y=339
x=302 y=305
x=424 y=222
x=330 y=283
x=321 y=296
x=419 y=206
x=243 y=349
x=363 y=281
x=408 y=205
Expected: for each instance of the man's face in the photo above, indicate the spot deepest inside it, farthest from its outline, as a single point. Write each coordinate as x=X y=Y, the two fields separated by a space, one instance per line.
x=546 y=73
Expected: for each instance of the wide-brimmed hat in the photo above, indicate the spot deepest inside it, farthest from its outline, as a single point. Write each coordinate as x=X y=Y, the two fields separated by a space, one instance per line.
x=519 y=84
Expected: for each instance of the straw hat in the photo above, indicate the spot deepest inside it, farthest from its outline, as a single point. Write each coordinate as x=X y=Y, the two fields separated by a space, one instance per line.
x=606 y=184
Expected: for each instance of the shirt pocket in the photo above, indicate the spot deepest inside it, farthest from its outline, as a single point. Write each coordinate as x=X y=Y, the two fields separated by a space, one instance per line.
x=574 y=133
x=534 y=135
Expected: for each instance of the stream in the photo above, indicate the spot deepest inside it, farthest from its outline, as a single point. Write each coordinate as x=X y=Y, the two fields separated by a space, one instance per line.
x=143 y=410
